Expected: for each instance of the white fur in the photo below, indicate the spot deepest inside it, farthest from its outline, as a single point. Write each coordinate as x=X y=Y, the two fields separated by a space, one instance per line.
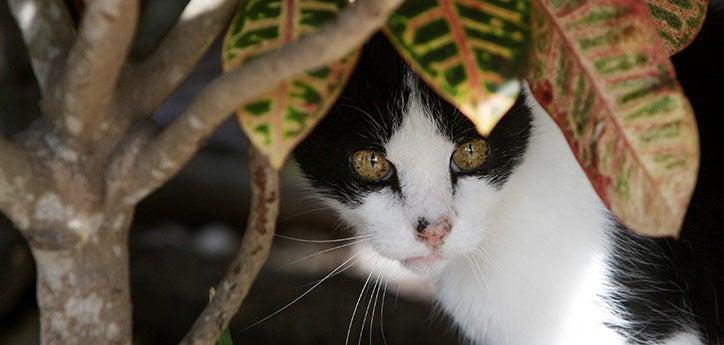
x=688 y=338
x=547 y=253
x=539 y=245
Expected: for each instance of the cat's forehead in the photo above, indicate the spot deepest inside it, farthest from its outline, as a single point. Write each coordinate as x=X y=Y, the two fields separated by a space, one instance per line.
x=382 y=93
x=420 y=137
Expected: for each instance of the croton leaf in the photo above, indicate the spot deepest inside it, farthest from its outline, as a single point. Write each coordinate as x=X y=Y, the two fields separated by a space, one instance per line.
x=601 y=74
x=678 y=21
x=278 y=120
x=472 y=52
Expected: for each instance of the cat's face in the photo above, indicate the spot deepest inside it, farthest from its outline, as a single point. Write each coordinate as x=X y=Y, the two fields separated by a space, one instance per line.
x=405 y=169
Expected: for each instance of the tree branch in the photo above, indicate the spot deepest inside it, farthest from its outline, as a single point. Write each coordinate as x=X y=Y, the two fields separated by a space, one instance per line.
x=94 y=64
x=151 y=82
x=47 y=30
x=173 y=147
x=18 y=188
x=251 y=256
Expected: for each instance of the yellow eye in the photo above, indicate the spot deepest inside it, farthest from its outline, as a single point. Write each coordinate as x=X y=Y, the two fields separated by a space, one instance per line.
x=470 y=155
x=371 y=165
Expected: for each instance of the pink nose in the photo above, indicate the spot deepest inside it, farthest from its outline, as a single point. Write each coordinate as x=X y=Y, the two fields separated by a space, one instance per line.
x=434 y=235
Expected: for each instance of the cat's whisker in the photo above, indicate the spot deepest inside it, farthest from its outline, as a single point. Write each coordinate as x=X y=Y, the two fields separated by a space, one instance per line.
x=354 y=312
x=322 y=241
x=322 y=252
x=480 y=273
x=483 y=255
x=374 y=305
x=306 y=211
x=494 y=238
x=470 y=265
x=330 y=277
x=472 y=269
x=382 y=313
x=310 y=197
x=375 y=126
x=330 y=274
x=367 y=309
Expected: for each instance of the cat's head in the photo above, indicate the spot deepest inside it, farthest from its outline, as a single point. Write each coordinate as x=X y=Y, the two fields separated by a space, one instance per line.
x=405 y=168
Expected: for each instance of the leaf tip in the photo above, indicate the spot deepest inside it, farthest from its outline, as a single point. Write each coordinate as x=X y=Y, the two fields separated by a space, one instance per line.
x=486 y=113
x=277 y=160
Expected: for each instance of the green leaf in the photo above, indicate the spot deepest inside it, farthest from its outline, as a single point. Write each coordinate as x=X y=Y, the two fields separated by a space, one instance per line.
x=602 y=74
x=225 y=338
x=277 y=121
x=472 y=52
x=678 y=21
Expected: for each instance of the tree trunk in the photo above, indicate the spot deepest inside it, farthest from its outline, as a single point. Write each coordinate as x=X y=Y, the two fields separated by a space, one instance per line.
x=83 y=289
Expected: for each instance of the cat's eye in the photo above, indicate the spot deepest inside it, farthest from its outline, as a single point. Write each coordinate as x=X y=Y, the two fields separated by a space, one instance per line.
x=469 y=155
x=371 y=165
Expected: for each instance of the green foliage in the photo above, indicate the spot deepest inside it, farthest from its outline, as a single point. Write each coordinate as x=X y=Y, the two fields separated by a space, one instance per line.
x=603 y=75
x=277 y=121
x=473 y=53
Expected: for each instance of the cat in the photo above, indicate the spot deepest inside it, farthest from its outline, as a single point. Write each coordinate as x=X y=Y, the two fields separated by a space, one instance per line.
x=521 y=249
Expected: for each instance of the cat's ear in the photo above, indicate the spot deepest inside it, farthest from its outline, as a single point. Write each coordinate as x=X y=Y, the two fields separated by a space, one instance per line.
x=601 y=70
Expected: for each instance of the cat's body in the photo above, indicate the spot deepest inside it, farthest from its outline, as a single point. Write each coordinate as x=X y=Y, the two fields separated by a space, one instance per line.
x=522 y=250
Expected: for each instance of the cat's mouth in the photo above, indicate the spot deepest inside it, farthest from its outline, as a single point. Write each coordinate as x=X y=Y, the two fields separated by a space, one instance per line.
x=422 y=263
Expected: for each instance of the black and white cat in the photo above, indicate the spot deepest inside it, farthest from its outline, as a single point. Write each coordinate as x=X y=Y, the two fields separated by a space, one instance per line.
x=522 y=250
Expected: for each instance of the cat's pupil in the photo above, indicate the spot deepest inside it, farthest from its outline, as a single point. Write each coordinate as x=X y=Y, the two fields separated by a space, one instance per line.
x=469 y=149
x=373 y=160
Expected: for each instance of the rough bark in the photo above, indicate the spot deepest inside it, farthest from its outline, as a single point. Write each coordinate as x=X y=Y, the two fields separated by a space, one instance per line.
x=47 y=29
x=82 y=100
x=17 y=182
x=83 y=288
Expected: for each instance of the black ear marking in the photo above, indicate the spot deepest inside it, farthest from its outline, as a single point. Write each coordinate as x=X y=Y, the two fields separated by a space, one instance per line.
x=365 y=116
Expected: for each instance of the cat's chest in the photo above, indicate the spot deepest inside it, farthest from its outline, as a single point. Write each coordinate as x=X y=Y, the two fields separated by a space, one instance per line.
x=510 y=306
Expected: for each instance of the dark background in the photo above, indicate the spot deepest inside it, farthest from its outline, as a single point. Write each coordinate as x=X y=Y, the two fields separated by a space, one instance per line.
x=185 y=234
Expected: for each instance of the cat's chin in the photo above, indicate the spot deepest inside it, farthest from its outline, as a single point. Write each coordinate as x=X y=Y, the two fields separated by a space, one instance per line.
x=425 y=265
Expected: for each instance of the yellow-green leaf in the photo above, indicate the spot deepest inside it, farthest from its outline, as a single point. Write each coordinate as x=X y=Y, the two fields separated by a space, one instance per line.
x=678 y=21
x=277 y=121
x=601 y=73
x=472 y=52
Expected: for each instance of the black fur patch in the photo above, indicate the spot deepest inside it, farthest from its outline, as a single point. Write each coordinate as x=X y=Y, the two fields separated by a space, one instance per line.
x=368 y=112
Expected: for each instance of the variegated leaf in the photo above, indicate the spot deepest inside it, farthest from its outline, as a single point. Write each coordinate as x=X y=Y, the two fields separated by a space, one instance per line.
x=472 y=52
x=678 y=21
x=277 y=121
x=612 y=90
